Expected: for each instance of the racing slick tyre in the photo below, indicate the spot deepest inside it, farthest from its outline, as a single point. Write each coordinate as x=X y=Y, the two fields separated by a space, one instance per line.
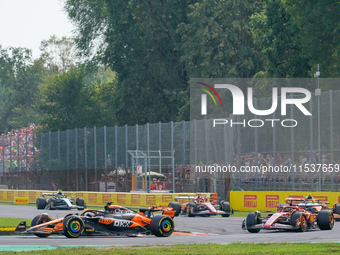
x=190 y=209
x=176 y=206
x=73 y=226
x=52 y=203
x=162 y=226
x=325 y=220
x=251 y=220
x=336 y=208
x=300 y=218
x=39 y=219
x=41 y=203
x=80 y=202
x=225 y=206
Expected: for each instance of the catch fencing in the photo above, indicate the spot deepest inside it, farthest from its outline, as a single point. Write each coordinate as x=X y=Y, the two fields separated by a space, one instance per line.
x=97 y=159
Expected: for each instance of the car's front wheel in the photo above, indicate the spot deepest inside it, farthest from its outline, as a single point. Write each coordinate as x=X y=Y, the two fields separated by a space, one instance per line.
x=162 y=226
x=39 y=219
x=251 y=220
x=73 y=226
x=52 y=203
x=298 y=220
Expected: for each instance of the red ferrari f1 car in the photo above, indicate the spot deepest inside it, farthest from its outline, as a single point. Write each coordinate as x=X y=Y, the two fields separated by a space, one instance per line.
x=114 y=221
x=309 y=203
x=199 y=206
x=289 y=218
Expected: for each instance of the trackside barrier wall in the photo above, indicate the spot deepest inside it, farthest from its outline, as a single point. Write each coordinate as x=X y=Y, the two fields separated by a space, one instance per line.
x=99 y=198
x=269 y=200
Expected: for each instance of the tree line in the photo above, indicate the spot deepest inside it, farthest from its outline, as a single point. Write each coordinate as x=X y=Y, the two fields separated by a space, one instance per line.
x=130 y=61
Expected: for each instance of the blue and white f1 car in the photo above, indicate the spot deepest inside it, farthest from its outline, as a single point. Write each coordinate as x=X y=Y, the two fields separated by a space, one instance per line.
x=59 y=201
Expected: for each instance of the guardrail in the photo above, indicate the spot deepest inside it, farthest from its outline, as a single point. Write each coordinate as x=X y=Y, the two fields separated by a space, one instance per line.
x=99 y=198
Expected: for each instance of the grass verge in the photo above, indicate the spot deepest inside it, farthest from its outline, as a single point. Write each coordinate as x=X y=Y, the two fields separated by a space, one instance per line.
x=234 y=248
x=13 y=222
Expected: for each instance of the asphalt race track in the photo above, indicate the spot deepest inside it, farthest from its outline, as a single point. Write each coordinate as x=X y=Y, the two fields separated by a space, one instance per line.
x=201 y=230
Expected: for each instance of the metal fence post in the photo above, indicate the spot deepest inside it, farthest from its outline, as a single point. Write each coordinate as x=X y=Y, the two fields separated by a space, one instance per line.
x=137 y=148
x=256 y=145
x=183 y=142
x=206 y=135
x=58 y=150
x=274 y=145
x=49 y=151
x=85 y=158
x=95 y=158
x=172 y=149
x=116 y=148
x=26 y=148
x=126 y=147
x=76 y=151
x=292 y=148
x=311 y=136
x=105 y=158
x=68 y=157
x=3 y=160
x=160 y=144
x=10 y=154
x=147 y=177
x=331 y=137
x=18 y=149
x=194 y=142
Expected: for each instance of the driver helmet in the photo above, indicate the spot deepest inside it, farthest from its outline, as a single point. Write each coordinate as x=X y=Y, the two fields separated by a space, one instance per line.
x=60 y=194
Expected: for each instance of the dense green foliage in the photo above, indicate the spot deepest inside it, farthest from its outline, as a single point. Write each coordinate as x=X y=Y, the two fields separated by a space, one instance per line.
x=153 y=48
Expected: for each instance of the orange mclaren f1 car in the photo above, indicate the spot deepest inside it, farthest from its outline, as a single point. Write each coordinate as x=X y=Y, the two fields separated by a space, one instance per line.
x=115 y=220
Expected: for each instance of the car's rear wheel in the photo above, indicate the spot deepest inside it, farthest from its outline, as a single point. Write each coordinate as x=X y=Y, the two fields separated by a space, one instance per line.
x=325 y=220
x=336 y=208
x=191 y=209
x=251 y=220
x=73 y=226
x=176 y=206
x=225 y=206
x=299 y=220
x=162 y=226
x=40 y=203
x=39 y=219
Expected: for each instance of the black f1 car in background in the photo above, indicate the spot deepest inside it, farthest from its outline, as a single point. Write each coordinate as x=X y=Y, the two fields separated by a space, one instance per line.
x=289 y=218
x=199 y=206
x=116 y=220
x=59 y=201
